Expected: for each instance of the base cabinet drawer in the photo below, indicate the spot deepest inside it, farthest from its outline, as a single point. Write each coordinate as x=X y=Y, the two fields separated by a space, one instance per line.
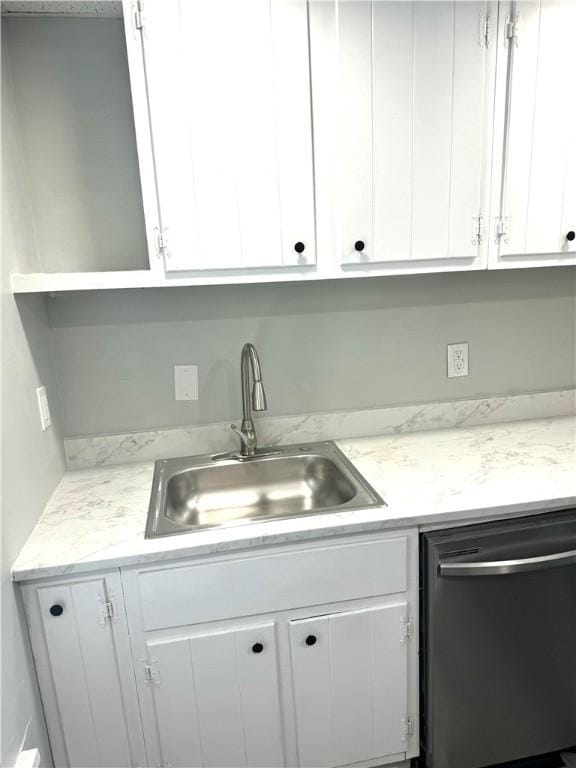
x=258 y=584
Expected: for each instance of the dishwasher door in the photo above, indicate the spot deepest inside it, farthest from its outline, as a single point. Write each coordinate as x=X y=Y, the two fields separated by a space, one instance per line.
x=499 y=641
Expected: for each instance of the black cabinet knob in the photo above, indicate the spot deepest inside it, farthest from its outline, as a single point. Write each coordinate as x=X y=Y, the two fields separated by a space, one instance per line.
x=571 y=235
x=359 y=245
x=299 y=247
x=257 y=648
x=311 y=640
x=56 y=610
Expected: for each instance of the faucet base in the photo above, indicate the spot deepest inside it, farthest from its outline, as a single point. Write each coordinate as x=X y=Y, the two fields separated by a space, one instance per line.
x=237 y=456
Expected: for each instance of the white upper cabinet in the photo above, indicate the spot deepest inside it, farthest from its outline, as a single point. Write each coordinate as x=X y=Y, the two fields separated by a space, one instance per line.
x=229 y=90
x=535 y=206
x=406 y=92
x=277 y=140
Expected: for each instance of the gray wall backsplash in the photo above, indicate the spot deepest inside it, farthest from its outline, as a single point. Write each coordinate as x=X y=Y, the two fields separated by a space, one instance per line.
x=326 y=346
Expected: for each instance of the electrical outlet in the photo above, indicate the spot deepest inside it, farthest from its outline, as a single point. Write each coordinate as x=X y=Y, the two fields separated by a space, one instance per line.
x=45 y=418
x=457 y=359
x=186 y=382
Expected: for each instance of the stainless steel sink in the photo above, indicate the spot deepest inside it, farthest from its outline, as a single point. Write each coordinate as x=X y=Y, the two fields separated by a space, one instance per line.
x=211 y=491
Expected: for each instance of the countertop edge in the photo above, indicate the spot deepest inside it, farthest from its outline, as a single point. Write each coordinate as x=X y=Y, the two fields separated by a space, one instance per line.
x=423 y=521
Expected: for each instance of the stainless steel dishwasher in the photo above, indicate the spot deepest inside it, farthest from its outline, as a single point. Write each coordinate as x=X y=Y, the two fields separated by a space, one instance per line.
x=499 y=641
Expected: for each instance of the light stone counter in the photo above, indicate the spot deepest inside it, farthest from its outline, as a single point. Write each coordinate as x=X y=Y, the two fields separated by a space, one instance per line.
x=96 y=518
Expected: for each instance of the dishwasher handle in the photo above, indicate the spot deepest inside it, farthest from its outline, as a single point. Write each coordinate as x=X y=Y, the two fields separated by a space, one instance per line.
x=507 y=567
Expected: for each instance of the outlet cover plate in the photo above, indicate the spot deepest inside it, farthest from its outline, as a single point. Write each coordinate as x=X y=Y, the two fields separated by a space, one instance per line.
x=457 y=359
x=43 y=408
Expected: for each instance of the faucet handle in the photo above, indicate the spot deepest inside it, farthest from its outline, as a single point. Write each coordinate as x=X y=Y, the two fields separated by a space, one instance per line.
x=248 y=439
x=242 y=435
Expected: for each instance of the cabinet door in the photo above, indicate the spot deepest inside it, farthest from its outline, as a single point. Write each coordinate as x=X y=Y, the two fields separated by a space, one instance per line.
x=414 y=85
x=350 y=685
x=538 y=161
x=229 y=92
x=216 y=699
x=82 y=655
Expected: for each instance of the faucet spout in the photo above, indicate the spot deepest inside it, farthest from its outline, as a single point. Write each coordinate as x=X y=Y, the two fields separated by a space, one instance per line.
x=252 y=398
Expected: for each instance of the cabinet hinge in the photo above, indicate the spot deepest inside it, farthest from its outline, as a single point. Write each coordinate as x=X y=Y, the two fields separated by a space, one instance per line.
x=108 y=612
x=162 y=243
x=406 y=629
x=407 y=727
x=138 y=12
x=151 y=674
x=485 y=32
x=511 y=29
x=477 y=230
x=502 y=229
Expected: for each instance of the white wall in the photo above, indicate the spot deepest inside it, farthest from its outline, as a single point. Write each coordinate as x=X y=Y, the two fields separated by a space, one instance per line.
x=336 y=345
x=32 y=461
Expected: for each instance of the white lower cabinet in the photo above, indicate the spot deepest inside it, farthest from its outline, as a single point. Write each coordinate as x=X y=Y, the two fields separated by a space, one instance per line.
x=216 y=698
x=350 y=685
x=83 y=662
x=299 y=681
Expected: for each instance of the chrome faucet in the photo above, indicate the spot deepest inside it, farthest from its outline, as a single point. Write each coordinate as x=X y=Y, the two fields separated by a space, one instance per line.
x=255 y=399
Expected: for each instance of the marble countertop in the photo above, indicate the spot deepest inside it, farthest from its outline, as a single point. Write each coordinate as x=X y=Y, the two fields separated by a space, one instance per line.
x=96 y=517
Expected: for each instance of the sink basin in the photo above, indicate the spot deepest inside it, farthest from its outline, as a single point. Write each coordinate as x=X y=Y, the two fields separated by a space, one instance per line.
x=207 y=492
